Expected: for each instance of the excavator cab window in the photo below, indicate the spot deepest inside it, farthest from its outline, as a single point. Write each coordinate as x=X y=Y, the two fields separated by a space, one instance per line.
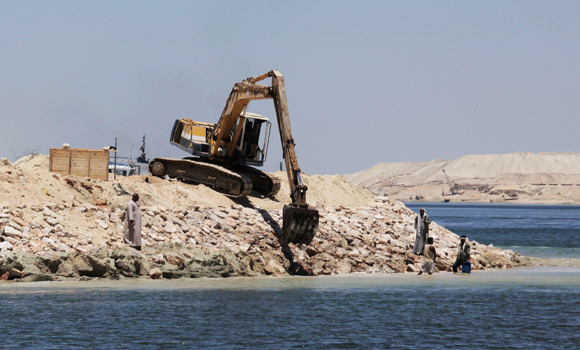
x=252 y=145
x=251 y=138
x=176 y=132
x=253 y=141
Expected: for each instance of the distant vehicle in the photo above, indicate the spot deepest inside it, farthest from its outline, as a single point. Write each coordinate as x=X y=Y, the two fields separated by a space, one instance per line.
x=453 y=188
x=125 y=166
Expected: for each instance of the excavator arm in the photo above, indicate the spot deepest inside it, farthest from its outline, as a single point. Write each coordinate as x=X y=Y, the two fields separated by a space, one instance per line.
x=299 y=221
x=297 y=189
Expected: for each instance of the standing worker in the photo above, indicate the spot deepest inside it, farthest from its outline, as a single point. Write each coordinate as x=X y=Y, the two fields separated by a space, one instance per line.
x=133 y=224
x=429 y=256
x=463 y=252
x=422 y=222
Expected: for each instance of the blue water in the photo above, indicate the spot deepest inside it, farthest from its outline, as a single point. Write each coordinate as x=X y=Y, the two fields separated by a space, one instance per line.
x=532 y=230
x=516 y=309
x=535 y=308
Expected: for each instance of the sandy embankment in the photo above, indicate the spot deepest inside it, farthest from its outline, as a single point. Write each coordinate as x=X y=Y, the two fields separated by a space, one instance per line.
x=66 y=227
x=547 y=178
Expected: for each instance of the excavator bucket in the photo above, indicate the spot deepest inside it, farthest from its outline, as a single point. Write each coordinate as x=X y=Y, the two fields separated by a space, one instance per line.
x=299 y=225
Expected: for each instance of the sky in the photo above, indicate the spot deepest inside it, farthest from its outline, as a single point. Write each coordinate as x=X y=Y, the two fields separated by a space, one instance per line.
x=366 y=81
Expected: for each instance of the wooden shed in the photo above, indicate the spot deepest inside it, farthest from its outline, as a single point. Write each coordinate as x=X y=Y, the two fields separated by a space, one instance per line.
x=92 y=163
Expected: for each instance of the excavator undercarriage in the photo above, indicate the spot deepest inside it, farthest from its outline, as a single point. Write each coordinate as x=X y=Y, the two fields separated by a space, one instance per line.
x=232 y=180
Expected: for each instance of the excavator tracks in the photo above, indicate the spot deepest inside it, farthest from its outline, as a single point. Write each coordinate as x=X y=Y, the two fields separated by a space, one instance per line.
x=264 y=184
x=217 y=177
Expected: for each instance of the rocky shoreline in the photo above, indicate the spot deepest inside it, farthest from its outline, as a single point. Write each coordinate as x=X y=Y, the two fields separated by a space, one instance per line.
x=44 y=243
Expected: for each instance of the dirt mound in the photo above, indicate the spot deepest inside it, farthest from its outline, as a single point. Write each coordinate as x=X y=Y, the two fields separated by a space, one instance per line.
x=28 y=180
x=323 y=190
x=32 y=162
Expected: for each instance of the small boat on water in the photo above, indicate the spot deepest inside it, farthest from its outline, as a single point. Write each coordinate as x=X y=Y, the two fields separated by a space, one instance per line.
x=446 y=200
x=124 y=166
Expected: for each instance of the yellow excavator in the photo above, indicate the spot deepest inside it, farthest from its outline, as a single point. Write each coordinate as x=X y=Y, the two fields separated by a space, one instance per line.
x=224 y=153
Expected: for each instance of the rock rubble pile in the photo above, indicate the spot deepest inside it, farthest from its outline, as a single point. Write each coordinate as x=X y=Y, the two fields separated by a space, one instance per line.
x=60 y=241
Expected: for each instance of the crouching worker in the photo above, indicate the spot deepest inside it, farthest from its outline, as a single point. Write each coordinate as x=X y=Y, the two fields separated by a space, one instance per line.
x=463 y=252
x=429 y=256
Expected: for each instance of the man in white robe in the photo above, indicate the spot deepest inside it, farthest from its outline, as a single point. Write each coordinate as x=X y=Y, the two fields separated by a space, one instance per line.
x=429 y=256
x=422 y=222
x=133 y=224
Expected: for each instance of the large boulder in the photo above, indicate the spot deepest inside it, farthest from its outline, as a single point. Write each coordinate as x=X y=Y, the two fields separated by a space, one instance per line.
x=22 y=265
x=91 y=266
x=155 y=273
x=66 y=268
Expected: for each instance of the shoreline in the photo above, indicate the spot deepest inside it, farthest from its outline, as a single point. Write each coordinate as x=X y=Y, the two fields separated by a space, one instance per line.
x=543 y=275
x=179 y=262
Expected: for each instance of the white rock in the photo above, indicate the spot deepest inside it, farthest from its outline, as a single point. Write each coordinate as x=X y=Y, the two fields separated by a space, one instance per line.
x=114 y=218
x=248 y=211
x=363 y=214
x=51 y=221
x=158 y=259
x=221 y=214
x=155 y=273
x=15 y=225
x=343 y=267
x=12 y=240
x=383 y=239
x=279 y=268
x=102 y=224
x=169 y=228
x=47 y=240
x=10 y=231
x=178 y=222
x=6 y=246
x=48 y=213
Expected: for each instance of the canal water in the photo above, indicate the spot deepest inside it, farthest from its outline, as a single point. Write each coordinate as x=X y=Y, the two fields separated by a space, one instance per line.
x=534 y=230
x=537 y=308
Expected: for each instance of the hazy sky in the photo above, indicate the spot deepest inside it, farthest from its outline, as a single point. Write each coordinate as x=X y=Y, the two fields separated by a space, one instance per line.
x=367 y=81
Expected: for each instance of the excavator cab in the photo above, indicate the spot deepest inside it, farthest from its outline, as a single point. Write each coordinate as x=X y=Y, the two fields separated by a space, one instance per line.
x=252 y=142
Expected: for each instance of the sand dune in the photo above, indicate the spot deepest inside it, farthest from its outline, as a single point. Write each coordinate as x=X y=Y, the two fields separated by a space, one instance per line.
x=535 y=175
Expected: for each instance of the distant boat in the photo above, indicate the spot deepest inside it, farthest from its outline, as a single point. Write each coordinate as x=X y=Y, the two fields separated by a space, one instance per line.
x=446 y=200
x=125 y=166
